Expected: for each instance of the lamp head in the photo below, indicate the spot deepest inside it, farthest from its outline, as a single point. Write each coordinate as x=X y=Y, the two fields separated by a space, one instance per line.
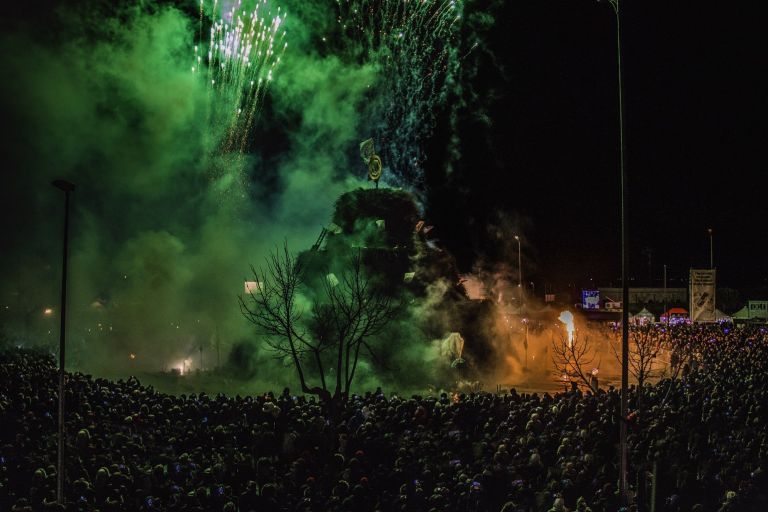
x=613 y=3
x=64 y=185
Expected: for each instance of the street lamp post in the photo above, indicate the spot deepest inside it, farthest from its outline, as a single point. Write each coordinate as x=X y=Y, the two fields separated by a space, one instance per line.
x=67 y=188
x=520 y=272
x=623 y=481
x=665 y=292
x=711 y=250
x=525 y=342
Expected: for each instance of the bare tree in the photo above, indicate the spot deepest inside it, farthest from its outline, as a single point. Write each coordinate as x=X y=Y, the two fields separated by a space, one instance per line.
x=354 y=311
x=572 y=357
x=645 y=342
x=272 y=308
x=349 y=313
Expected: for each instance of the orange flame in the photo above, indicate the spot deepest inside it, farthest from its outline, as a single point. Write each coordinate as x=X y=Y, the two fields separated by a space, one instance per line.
x=567 y=318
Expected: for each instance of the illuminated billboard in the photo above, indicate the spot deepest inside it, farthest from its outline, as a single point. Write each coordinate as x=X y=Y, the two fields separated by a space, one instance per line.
x=702 y=295
x=590 y=299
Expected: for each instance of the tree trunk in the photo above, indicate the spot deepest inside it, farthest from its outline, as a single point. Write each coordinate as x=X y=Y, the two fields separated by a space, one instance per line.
x=320 y=369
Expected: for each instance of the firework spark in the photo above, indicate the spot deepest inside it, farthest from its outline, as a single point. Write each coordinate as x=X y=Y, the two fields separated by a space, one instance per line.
x=415 y=43
x=244 y=49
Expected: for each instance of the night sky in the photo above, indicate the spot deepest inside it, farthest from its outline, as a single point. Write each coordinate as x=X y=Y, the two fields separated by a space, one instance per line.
x=538 y=142
x=693 y=140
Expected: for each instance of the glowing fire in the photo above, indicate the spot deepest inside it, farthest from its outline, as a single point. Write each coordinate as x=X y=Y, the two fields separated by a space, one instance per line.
x=183 y=366
x=567 y=318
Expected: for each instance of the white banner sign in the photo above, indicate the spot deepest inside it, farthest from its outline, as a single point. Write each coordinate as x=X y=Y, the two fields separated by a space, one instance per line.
x=702 y=295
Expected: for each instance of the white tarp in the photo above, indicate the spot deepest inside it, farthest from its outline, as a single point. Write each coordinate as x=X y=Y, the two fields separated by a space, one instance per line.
x=332 y=280
x=643 y=317
x=702 y=295
x=252 y=286
x=742 y=314
x=452 y=346
x=722 y=317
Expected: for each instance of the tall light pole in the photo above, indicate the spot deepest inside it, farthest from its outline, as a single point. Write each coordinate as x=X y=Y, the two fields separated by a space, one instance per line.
x=520 y=272
x=665 y=292
x=67 y=188
x=623 y=481
x=711 y=250
x=525 y=342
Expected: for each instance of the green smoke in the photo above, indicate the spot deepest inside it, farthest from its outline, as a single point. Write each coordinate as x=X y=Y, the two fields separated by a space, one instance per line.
x=163 y=231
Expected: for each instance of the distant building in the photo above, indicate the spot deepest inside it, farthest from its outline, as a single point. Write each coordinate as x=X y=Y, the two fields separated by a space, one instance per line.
x=651 y=298
x=758 y=309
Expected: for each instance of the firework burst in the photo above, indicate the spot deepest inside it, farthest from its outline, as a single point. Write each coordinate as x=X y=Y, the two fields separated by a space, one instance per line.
x=414 y=42
x=244 y=49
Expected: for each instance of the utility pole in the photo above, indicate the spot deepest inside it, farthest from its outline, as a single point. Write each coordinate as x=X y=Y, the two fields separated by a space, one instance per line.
x=520 y=272
x=649 y=252
x=526 y=344
x=624 y=463
x=665 y=291
x=67 y=188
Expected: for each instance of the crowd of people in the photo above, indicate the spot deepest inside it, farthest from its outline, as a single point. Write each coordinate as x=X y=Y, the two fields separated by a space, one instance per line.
x=700 y=443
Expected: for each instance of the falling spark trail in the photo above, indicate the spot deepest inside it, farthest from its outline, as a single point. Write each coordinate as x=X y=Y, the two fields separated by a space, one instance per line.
x=243 y=52
x=415 y=44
